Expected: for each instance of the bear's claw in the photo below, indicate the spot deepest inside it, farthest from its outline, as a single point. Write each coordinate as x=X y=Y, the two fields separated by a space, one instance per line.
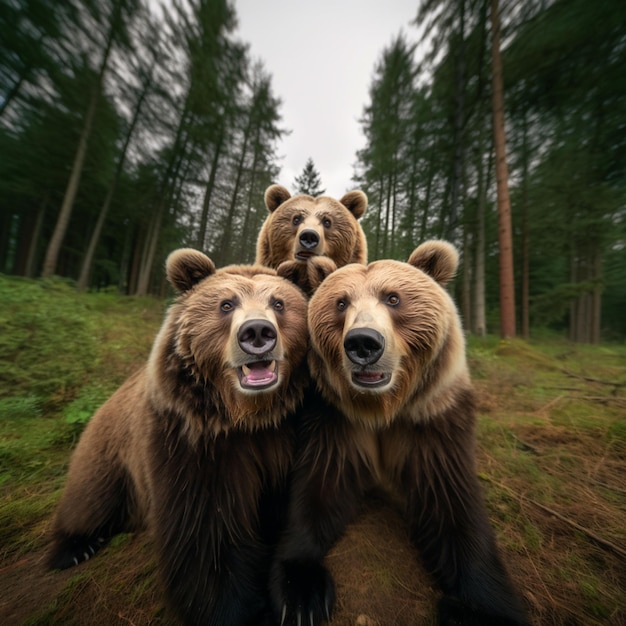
x=73 y=550
x=304 y=591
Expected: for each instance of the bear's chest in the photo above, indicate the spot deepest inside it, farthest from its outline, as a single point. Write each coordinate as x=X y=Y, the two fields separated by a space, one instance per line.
x=385 y=453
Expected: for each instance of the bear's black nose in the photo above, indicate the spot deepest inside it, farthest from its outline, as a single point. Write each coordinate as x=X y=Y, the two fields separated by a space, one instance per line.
x=364 y=346
x=309 y=239
x=257 y=337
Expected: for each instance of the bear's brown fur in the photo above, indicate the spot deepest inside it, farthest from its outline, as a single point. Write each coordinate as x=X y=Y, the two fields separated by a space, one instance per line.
x=311 y=236
x=196 y=446
x=393 y=409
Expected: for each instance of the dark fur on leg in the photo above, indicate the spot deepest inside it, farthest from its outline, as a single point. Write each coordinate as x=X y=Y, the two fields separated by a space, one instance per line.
x=89 y=515
x=453 y=612
x=215 y=558
x=450 y=527
x=326 y=493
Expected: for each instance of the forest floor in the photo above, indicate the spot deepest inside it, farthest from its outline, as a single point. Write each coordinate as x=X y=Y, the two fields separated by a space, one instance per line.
x=552 y=461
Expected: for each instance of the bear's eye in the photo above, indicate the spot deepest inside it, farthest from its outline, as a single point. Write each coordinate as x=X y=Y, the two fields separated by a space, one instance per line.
x=393 y=299
x=341 y=305
x=278 y=305
x=297 y=219
x=327 y=222
x=227 y=306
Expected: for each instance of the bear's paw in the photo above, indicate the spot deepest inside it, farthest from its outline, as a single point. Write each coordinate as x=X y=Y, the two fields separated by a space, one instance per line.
x=75 y=549
x=303 y=592
x=307 y=275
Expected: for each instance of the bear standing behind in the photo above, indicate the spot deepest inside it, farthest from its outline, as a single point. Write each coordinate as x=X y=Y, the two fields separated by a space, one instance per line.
x=394 y=409
x=311 y=236
x=197 y=445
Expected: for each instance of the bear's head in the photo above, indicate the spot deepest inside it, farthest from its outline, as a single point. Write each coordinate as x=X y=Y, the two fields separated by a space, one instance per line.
x=231 y=352
x=387 y=340
x=301 y=227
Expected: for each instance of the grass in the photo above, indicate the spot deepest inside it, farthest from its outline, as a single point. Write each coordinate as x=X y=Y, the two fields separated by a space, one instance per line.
x=551 y=458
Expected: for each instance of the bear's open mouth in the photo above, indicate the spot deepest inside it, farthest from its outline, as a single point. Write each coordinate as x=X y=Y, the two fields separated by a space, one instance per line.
x=369 y=379
x=258 y=374
x=303 y=255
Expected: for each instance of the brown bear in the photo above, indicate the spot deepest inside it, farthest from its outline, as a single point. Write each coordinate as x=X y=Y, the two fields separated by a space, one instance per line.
x=197 y=445
x=393 y=409
x=311 y=236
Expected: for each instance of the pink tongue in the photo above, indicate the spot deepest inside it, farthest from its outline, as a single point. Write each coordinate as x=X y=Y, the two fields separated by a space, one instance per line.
x=370 y=376
x=258 y=371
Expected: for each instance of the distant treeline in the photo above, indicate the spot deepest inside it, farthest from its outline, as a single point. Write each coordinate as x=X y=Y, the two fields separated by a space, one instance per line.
x=128 y=129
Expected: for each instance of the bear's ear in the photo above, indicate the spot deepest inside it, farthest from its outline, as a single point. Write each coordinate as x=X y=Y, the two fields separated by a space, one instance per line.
x=187 y=267
x=355 y=202
x=439 y=259
x=275 y=195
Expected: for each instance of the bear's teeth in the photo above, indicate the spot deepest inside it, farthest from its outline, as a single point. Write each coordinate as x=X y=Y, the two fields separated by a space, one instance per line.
x=269 y=365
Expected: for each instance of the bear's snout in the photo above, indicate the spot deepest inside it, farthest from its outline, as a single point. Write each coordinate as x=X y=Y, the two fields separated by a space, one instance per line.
x=257 y=337
x=364 y=346
x=308 y=244
x=309 y=239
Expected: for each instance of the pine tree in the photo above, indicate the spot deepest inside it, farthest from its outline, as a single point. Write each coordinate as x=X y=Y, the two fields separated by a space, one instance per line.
x=310 y=181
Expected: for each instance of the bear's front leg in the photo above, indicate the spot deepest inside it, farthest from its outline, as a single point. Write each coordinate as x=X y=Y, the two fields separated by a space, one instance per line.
x=450 y=527
x=219 y=586
x=326 y=491
x=212 y=561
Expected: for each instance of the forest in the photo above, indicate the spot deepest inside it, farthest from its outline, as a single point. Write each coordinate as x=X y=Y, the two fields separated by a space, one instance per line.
x=128 y=129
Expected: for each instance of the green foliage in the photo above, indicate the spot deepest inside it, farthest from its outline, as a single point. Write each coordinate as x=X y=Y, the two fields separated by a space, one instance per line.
x=61 y=355
x=55 y=342
x=309 y=181
x=550 y=306
x=99 y=76
x=46 y=315
x=427 y=165
x=80 y=410
x=17 y=407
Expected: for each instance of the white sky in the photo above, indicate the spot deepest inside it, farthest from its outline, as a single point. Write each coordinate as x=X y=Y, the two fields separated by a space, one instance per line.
x=321 y=55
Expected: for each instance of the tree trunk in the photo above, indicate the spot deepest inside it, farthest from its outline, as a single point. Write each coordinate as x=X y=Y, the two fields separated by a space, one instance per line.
x=166 y=193
x=85 y=270
x=505 y=234
x=466 y=305
x=54 y=246
x=224 y=249
x=596 y=297
x=411 y=211
x=459 y=123
x=387 y=217
x=147 y=257
x=572 y=307
x=525 y=235
x=379 y=216
x=12 y=93
x=392 y=253
x=480 y=317
x=34 y=241
x=83 y=279
x=426 y=205
x=247 y=243
x=208 y=192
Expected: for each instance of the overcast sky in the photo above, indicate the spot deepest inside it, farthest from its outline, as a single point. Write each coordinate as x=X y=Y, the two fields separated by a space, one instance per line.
x=321 y=55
